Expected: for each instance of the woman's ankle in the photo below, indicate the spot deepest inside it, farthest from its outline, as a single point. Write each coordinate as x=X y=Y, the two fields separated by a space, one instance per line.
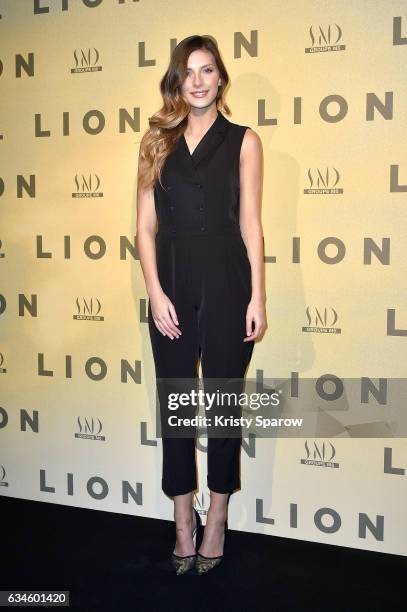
x=217 y=515
x=183 y=520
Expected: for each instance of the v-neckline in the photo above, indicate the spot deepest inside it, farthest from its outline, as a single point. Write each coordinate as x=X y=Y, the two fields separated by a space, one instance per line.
x=202 y=139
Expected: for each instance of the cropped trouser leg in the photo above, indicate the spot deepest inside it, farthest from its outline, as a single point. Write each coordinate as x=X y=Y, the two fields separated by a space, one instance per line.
x=225 y=358
x=176 y=361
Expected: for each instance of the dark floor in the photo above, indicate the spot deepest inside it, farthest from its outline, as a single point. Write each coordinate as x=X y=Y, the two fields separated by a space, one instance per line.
x=117 y=562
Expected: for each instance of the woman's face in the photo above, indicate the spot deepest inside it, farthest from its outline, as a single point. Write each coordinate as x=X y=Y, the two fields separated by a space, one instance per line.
x=201 y=84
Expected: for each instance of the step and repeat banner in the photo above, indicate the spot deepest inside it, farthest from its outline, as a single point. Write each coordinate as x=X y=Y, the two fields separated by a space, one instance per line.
x=324 y=85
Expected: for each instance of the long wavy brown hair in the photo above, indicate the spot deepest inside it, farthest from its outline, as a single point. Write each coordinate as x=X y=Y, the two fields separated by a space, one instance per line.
x=168 y=124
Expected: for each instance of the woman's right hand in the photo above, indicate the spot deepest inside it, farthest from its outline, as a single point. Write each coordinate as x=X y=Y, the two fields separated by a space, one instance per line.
x=164 y=315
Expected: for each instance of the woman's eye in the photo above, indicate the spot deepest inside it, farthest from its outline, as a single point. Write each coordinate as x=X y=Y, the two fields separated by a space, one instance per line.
x=189 y=73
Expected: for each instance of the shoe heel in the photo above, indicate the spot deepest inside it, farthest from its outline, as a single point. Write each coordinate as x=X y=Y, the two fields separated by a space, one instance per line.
x=198 y=526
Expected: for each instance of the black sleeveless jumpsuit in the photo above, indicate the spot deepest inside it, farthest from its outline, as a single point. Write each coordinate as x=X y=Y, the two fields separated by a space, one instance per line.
x=204 y=269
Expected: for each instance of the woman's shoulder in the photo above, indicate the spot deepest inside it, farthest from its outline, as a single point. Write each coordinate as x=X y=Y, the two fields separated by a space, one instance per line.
x=250 y=135
x=243 y=129
x=244 y=137
x=251 y=144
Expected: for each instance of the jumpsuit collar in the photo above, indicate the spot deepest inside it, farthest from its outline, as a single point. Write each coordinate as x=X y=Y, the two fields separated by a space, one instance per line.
x=209 y=141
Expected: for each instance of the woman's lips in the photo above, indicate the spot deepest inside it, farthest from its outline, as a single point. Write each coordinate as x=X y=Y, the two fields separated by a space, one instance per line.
x=199 y=94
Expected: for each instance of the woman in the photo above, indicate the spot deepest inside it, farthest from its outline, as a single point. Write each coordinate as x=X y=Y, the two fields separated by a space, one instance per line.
x=200 y=177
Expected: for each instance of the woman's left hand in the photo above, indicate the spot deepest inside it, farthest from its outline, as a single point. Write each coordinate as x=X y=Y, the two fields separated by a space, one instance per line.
x=256 y=312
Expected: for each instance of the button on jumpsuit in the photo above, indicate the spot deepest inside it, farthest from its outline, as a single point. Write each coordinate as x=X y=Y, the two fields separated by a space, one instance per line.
x=204 y=269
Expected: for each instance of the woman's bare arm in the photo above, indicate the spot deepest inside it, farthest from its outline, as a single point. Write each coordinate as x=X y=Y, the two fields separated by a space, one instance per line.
x=146 y=230
x=251 y=158
x=162 y=309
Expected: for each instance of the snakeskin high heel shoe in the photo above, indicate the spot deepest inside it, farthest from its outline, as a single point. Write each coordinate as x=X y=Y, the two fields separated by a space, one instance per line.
x=204 y=564
x=184 y=564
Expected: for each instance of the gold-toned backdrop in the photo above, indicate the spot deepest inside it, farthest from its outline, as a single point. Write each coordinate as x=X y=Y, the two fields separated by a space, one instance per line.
x=324 y=86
